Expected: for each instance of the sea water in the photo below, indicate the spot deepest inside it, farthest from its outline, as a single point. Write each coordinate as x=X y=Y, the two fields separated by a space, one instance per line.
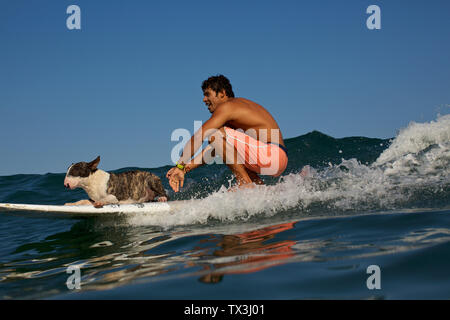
x=364 y=203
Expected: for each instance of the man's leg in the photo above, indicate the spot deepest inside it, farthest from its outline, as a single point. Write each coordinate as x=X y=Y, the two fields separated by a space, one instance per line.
x=229 y=155
x=254 y=176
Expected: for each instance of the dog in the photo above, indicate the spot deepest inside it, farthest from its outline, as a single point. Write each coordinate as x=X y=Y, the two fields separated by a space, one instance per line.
x=111 y=188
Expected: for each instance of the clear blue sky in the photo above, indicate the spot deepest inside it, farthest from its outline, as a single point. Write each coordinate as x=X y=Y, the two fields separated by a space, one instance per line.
x=119 y=86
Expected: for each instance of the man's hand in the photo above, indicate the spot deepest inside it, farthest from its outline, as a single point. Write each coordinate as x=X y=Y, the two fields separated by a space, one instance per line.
x=176 y=178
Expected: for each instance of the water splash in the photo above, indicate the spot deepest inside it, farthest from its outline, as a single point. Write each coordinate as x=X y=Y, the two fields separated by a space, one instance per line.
x=413 y=172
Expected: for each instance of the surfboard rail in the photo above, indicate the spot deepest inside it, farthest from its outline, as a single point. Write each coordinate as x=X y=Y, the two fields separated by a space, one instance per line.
x=88 y=210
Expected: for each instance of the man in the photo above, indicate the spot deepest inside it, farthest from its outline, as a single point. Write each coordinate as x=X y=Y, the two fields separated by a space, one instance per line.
x=258 y=150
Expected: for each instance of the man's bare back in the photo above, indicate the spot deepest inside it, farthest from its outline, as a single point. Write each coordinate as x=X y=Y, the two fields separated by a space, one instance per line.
x=246 y=114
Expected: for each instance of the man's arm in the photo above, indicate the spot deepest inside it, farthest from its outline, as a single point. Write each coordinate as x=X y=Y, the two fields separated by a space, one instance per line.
x=217 y=120
x=175 y=175
x=199 y=160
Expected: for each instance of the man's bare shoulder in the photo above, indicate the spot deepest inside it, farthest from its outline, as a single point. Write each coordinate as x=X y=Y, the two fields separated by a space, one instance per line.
x=235 y=103
x=226 y=107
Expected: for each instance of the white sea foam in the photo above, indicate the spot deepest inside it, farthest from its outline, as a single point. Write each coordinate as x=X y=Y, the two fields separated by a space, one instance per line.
x=420 y=153
x=418 y=158
x=417 y=137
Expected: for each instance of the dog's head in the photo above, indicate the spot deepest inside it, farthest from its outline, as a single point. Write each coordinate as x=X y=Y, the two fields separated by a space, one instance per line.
x=79 y=172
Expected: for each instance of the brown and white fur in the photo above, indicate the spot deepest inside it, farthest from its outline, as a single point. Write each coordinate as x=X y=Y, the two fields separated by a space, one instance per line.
x=111 y=188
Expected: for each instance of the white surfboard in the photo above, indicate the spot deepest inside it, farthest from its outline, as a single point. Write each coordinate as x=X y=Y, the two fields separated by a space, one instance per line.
x=91 y=211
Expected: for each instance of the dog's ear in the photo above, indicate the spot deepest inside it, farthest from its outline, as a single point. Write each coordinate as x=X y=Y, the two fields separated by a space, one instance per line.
x=94 y=163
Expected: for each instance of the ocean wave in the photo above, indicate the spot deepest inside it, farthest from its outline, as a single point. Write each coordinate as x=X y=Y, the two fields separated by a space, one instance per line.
x=344 y=176
x=413 y=172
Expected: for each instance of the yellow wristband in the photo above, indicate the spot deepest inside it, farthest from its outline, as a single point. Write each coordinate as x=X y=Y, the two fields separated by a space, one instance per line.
x=180 y=166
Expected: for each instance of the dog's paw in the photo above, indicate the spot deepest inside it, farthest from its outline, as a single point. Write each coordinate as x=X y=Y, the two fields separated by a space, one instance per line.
x=69 y=204
x=162 y=199
x=98 y=204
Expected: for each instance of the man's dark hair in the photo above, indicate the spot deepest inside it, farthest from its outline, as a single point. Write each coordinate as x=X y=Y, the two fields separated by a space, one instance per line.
x=217 y=84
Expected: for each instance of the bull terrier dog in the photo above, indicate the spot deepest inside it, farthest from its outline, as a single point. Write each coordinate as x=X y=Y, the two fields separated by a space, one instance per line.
x=111 y=188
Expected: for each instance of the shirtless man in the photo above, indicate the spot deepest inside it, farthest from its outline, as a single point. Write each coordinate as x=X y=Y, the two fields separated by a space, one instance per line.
x=258 y=150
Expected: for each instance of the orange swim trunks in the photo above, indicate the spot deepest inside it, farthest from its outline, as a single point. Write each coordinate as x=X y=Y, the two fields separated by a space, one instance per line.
x=260 y=157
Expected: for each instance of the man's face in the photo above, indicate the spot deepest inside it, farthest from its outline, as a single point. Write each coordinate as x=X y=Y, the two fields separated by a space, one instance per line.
x=212 y=99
